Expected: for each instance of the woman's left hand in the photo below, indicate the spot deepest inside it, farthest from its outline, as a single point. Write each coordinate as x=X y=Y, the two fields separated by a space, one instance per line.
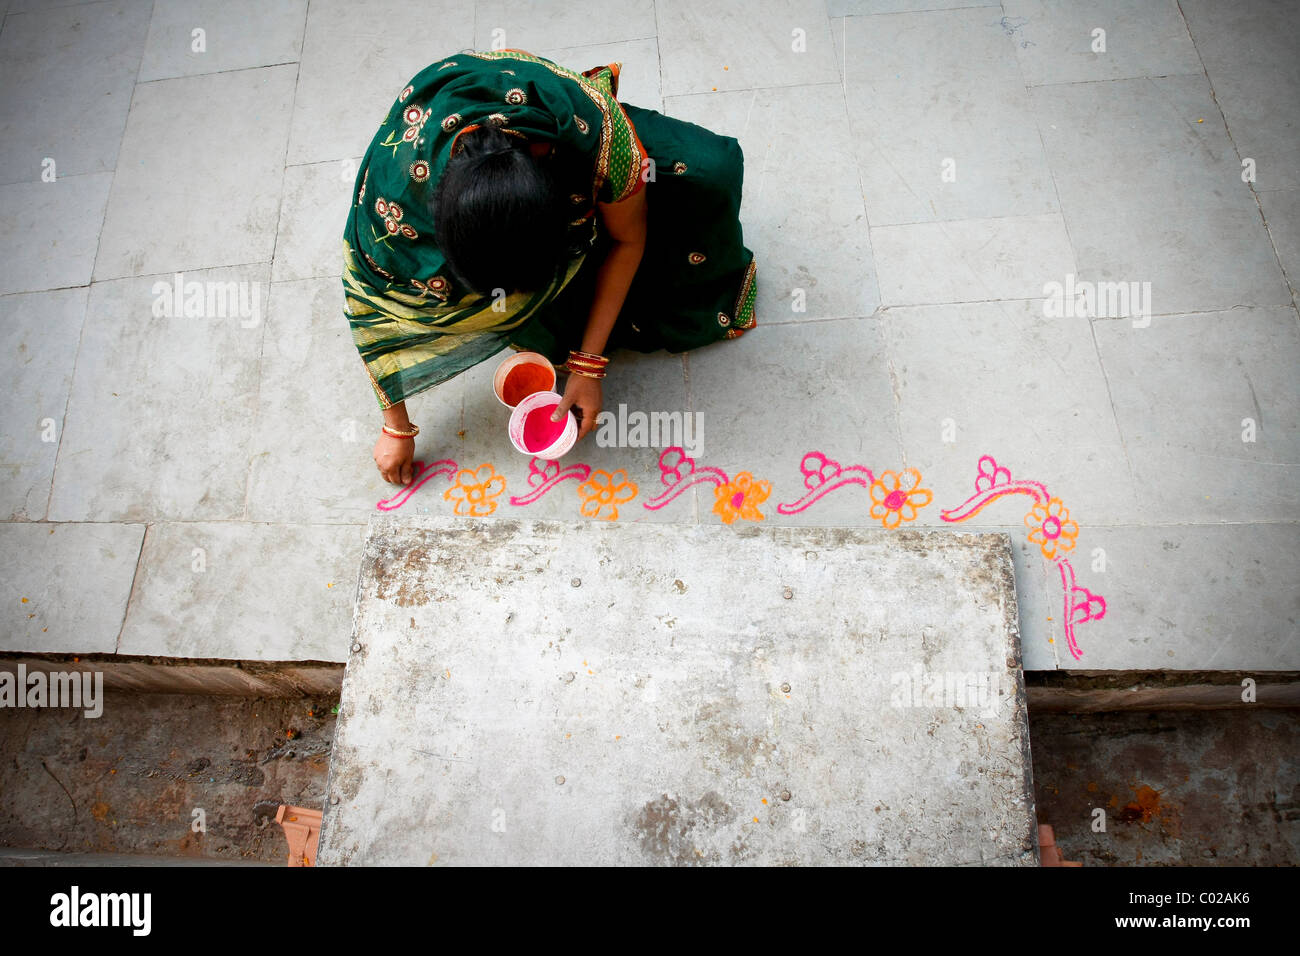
x=584 y=395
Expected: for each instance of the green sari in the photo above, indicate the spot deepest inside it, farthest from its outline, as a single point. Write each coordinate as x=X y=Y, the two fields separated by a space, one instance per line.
x=414 y=327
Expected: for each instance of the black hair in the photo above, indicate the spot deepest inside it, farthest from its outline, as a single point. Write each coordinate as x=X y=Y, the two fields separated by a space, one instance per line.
x=499 y=215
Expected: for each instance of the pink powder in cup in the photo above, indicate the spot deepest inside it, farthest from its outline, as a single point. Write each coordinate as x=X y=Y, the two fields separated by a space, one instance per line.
x=532 y=432
x=540 y=433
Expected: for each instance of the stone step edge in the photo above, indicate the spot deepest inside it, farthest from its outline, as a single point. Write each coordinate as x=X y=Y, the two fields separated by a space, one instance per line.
x=1047 y=691
x=1108 y=691
x=187 y=675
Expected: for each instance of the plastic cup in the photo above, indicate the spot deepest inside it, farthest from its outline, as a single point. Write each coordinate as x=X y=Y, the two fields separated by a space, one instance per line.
x=533 y=433
x=516 y=360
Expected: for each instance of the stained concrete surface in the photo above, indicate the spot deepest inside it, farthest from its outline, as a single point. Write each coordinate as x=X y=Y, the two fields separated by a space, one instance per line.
x=1179 y=788
x=129 y=781
x=528 y=692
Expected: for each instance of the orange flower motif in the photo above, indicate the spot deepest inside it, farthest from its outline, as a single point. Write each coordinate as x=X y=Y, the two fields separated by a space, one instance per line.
x=603 y=491
x=475 y=491
x=1051 y=529
x=897 y=498
x=740 y=498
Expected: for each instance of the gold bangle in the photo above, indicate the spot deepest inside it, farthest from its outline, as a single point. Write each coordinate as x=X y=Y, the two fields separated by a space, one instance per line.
x=584 y=373
x=397 y=433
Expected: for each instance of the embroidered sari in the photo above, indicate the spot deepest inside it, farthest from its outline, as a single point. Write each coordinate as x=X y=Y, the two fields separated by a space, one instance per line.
x=412 y=324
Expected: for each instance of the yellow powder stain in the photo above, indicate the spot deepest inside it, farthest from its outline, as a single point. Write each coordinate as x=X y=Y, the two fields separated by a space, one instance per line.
x=24 y=600
x=1199 y=121
x=329 y=584
x=715 y=89
x=448 y=673
x=590 y=671
x=765 y=801
x=99 y=810
x=755 y=819
x=726 y=67
x=618 y=736
x=567 y=736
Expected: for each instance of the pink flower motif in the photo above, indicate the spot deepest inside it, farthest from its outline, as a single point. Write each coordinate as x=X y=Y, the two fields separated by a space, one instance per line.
x=991 y=474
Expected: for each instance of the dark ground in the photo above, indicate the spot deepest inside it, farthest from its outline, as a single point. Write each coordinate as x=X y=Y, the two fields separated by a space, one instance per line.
x=1216 y=787
x=1180 y=788
x=130 y=780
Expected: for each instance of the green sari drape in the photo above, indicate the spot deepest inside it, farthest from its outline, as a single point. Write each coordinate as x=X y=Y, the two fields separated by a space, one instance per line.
x=414 y=327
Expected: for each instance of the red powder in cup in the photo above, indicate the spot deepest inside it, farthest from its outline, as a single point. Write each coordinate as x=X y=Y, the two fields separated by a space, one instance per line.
x=523 y=380
x=540 y=433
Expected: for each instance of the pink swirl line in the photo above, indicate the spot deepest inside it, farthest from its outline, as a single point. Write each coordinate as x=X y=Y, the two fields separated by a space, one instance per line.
x=715 y=475
x=578 y=472
x=422 y=474
x=859 y=476
x=1068 y=588
x=981 y=499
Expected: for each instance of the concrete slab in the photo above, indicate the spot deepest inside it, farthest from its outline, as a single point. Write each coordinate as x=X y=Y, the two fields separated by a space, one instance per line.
x=237 y=35
x=773 y=127
x=1151 y=189
x=212 y=197
x=743 y=44
x=940 y=118
x=1209 y=409
x=1057 y=43
x=551 y=693
x=350 y=75
x=65 y=586
x=48 y=232
x=284 y=588
x=1249 y=52
x=77 y=64
x=159 y=419
x=42 y=332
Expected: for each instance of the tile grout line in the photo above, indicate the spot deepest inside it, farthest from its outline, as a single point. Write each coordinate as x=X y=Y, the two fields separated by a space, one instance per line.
x=90 y=282
x=1045 y=591
x=235 y=69
x=130 y=593
x=1092 y=331
x=659 y=58
x=1223 y=117
x=270 y=271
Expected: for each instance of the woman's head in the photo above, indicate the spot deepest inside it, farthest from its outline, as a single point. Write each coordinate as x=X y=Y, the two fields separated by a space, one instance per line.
x=498 y=214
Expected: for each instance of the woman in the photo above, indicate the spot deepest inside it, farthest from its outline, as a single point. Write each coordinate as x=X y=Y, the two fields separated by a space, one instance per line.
x=509 y=201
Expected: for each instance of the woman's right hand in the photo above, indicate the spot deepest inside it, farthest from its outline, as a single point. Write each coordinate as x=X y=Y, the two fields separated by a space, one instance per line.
x=395 y=458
